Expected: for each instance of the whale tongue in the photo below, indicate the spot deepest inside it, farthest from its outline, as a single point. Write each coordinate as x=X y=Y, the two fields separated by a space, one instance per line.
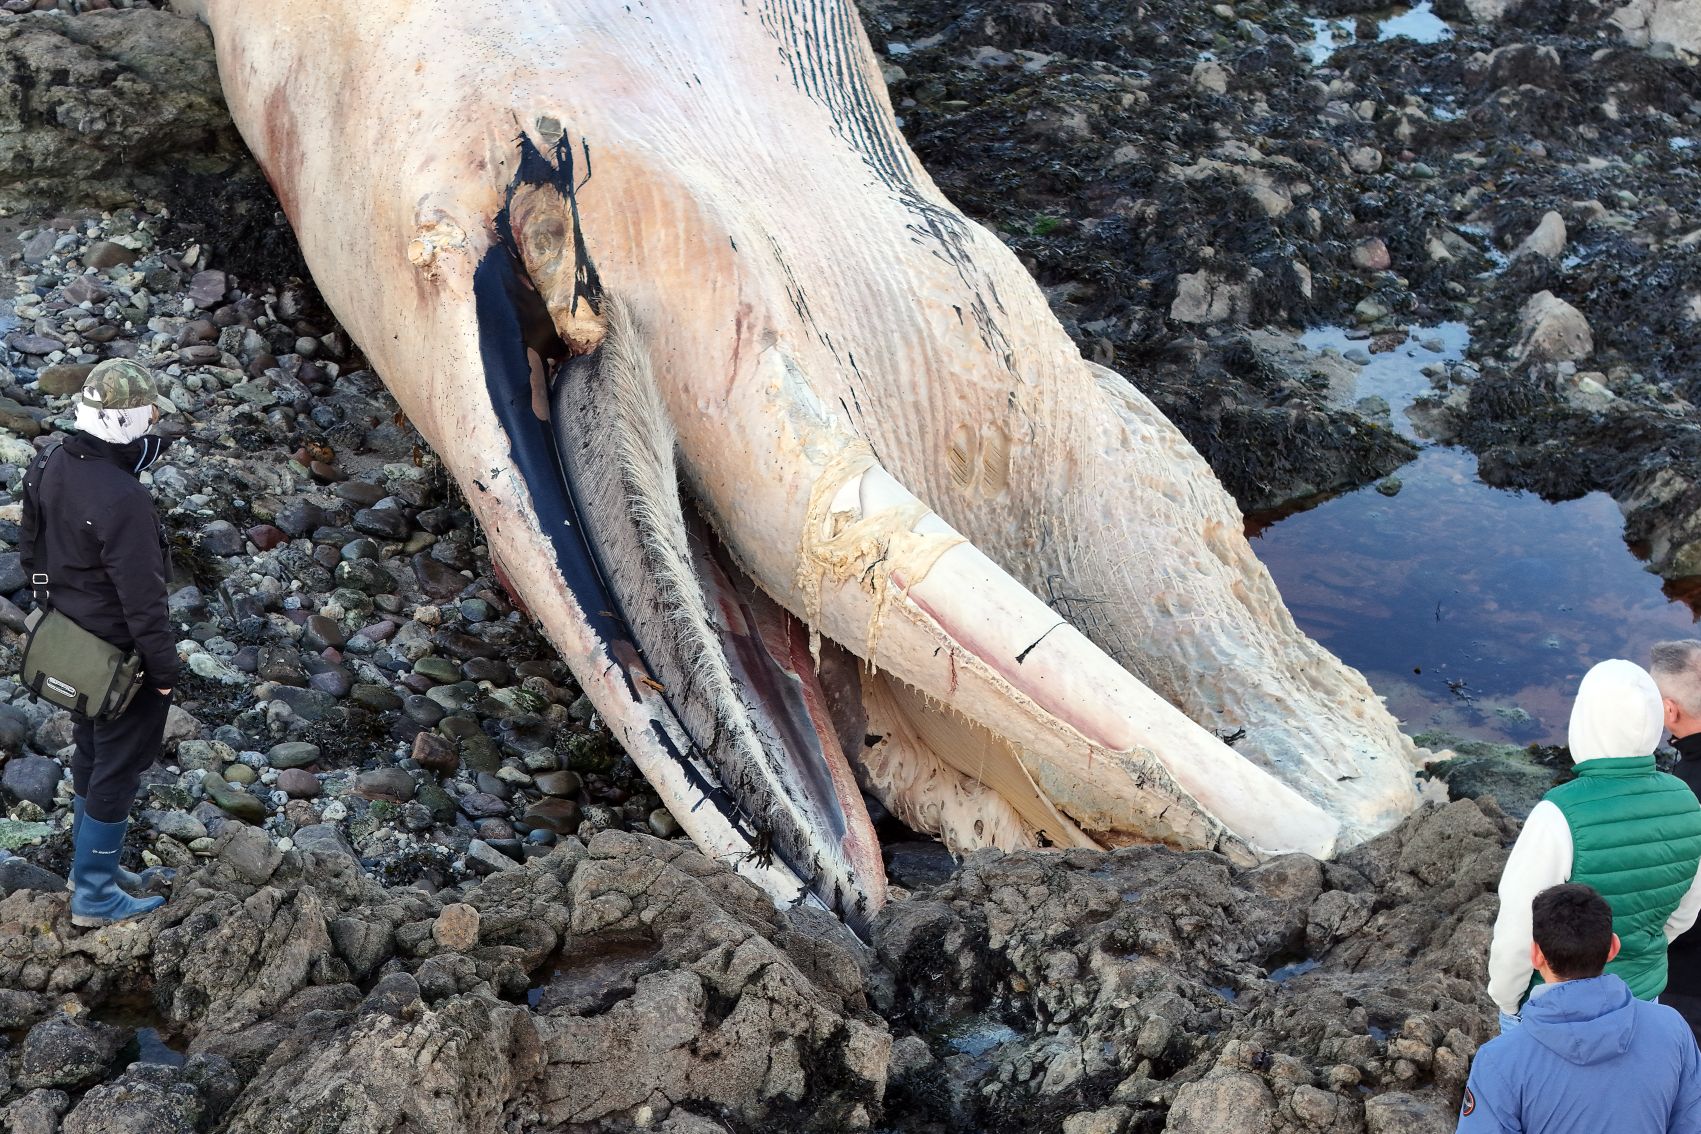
x=768 y=655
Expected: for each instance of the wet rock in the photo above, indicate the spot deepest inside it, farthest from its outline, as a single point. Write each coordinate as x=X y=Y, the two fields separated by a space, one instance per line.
x=35 y=778
x=1551 y=330
x=558 y=815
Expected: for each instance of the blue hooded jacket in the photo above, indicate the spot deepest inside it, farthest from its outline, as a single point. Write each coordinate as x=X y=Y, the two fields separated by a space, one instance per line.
x=1588 y=1058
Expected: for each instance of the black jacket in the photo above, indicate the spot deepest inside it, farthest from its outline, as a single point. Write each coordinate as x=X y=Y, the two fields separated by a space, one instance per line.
x=90 y=526
x=1683 y=957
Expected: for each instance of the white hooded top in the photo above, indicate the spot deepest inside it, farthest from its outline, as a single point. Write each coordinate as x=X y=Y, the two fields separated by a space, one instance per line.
x=1618 y=712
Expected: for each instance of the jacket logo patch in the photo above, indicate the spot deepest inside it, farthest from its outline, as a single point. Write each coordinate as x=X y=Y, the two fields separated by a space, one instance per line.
x=1470 y=1104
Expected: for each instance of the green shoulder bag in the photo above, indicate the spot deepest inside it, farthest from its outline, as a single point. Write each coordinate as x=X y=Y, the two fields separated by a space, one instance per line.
x=69 y=667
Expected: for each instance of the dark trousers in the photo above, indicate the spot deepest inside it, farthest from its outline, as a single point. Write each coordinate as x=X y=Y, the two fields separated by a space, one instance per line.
x=112 y=755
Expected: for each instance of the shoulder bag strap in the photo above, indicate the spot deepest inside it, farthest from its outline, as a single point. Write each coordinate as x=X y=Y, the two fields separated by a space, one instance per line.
x=39 y=582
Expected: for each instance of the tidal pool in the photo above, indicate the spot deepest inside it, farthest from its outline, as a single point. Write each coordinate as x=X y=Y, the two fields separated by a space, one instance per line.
x=1469 y=608
x=1419 y=22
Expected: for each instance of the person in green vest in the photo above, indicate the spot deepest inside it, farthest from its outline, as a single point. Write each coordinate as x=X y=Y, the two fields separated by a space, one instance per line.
x=1622 y=826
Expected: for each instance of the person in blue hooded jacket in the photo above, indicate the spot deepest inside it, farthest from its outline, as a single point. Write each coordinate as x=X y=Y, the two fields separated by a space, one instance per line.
x=1589 y=1057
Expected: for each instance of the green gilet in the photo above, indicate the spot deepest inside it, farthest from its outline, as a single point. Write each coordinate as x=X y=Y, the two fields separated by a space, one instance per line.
x=1636 y=838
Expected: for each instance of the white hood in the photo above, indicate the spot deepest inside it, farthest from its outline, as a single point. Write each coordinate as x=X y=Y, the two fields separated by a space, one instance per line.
x=1617 y=713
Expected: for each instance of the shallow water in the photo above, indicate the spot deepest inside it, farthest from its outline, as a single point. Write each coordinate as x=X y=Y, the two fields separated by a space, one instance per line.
x=1469 y=608
x=1419 y=22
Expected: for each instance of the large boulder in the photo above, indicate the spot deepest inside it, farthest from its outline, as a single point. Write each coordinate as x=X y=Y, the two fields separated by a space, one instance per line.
x=96 y=106
x=595 y=984
x=1296 y=996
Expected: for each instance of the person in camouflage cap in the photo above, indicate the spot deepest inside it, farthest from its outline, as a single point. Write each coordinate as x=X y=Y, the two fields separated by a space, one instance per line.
x=118 y=401
x=94 y=551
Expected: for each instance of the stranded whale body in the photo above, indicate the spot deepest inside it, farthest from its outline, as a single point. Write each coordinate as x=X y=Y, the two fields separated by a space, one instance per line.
x=788 y=457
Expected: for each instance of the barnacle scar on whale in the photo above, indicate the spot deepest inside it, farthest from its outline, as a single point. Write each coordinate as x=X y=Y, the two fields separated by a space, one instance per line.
x=789 y=458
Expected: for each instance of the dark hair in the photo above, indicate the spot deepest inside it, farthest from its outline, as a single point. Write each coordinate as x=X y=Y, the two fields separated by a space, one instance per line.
x=1573 y=926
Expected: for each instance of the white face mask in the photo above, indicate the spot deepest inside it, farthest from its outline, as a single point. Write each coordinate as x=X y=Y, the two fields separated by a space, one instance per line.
x=118 y=426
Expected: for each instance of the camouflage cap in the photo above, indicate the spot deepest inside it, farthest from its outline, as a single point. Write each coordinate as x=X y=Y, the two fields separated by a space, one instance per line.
x=119 y=383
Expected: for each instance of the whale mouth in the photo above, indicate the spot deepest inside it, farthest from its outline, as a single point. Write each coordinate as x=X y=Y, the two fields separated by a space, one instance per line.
x=976 y=710
x=725 y=678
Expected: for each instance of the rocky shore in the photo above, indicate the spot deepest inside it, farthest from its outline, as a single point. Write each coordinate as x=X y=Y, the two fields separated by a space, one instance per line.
x=418 y=887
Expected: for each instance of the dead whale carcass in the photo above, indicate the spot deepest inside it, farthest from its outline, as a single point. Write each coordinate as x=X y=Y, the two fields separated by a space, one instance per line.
x=737 y=394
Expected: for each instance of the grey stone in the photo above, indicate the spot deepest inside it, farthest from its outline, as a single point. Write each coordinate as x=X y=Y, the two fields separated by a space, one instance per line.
x=441 y=670
x=292 y=754
x=103 y=254
x=307 y=704
x=438 y=580
x=334 y=681
x=207 y=289
x=483 y=805
x=12 y=574
x=20 y=874
x=180 y=825
x=35 y=778
x=297 y=783
x=60 y=1052
x=249 y=853
x=320 y=633
x=384 y=523
x=220 y=537
x=422 y=710
x=233 y=800
x=487 y=859
x=298 y=517
x=392 y=784
x=322 y=838
x=1234 y=1102
x=378 y=698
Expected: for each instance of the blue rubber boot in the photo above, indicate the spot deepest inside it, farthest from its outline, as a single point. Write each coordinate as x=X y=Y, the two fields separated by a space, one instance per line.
x=128 y=879
x=97 y=900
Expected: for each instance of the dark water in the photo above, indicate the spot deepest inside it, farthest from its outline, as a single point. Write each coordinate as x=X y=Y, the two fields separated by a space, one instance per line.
x=1468 y=608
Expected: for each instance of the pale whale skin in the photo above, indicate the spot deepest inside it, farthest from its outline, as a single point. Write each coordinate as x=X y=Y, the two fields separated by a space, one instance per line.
x=868 y=398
